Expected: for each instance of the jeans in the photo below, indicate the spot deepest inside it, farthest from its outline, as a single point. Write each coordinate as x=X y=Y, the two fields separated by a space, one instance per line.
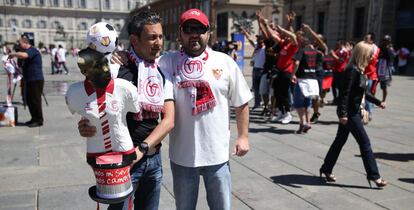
x=371 y=87
x=257 y=72
x=356 y=128
x=146 y=177
x=217 y=181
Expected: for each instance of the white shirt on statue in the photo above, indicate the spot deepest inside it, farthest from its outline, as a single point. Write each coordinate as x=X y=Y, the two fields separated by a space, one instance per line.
x=107 y=114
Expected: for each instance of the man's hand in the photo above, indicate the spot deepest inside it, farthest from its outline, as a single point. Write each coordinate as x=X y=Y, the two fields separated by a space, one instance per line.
x=382 y=105
x=306 y=27
x=290 y=17
x=294 y=80
x=343 y=120
x=139 y=156
x=241 y=147
x=85 y=129
x=120 y=57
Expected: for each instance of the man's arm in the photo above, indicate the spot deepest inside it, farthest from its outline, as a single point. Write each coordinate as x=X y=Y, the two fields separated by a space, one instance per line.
x=248 y=37
x=289 y=34
x=21 y=55
x=164 y=127
x=242 y=141
x=316 y=37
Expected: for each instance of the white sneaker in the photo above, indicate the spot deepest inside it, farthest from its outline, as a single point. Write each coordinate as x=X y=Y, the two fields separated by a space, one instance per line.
x=287 y=118
x=278 y=117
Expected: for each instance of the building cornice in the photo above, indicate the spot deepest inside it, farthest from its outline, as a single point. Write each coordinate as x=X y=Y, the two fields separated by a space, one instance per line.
x=59 y=10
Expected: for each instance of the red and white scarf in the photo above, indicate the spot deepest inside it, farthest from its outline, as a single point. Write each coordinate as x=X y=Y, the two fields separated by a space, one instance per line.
x=190 y=75
x=150 y=88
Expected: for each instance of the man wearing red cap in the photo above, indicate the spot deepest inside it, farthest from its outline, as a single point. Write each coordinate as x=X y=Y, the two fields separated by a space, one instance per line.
x=206 y=83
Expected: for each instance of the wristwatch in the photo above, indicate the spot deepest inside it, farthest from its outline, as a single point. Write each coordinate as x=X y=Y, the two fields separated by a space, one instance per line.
x=143 y=147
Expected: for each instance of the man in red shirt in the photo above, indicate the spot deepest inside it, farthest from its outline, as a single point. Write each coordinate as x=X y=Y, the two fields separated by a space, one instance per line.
x=341 y=56
x=371 y=71
x=288 y=45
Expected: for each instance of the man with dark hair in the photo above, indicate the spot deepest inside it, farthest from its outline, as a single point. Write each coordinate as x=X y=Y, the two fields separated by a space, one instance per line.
x=33 y=79
x=146 y=38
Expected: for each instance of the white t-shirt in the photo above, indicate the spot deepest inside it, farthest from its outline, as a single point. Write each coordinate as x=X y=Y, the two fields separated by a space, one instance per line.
x=53 y=54
x=108 y=116
x=61 y=54
x=203 y=139
x=259 y=57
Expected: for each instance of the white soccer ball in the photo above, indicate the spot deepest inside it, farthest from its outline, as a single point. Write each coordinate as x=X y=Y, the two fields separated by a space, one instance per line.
x=102 y=37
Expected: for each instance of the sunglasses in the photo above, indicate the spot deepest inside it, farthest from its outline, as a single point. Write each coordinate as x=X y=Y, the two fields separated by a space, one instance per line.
x=195 y=29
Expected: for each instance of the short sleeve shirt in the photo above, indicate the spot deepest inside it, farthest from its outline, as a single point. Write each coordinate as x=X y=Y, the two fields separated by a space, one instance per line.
x=343 y=54
x=32 y=66
x=203 y=139
x=106 y=110
x=285 y=60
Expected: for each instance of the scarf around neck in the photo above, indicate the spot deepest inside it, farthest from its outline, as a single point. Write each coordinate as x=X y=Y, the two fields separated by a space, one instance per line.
x=150 y=88
x=191 y=76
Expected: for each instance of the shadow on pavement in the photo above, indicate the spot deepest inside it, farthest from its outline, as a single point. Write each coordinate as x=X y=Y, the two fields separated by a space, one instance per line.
x=295 y=180
x=320 y=122
x=271 y=130
x=408 y=180
x=403 y=157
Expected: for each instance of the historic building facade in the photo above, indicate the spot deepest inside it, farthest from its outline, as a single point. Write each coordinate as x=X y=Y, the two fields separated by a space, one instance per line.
x=61 y=21
x=352 y=19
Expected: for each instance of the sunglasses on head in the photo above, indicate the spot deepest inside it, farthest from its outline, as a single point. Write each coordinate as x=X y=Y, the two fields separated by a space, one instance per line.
x=194 y=29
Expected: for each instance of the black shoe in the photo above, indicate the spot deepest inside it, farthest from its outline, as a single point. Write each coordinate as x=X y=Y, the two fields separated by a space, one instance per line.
x=315 y=117
x=34 y=124
x=28 y=122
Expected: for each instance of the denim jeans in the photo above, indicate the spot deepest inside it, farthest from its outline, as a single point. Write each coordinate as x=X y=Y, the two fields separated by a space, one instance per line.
x=217 y=181
x=371 y=87
x=356 y=128
x=146 y=177
x=257 y=72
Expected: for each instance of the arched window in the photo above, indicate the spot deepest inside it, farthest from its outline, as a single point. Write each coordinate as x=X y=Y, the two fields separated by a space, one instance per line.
x=55 y=24
x=83 y=26
x=13 y=22
x=68 y=3
x=118 y=27
x=27 y=23
x=41 y=24
x=26 y=2
x=107 y=4
x=55 y=3
x=82 y=3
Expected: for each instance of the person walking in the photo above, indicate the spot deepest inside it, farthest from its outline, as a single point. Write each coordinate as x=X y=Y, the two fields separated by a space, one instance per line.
x=147 y=132
x=33 y=79
x=61 y=55
x=206 y=83
x=351 y=93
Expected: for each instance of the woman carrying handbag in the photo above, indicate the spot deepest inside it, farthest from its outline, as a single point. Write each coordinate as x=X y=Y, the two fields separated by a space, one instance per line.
x=348 y=111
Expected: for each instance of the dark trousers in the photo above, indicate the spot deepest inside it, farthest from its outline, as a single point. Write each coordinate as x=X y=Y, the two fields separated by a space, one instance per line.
x=257 y=73
x=33 y=99
x=337 y=83
x=283 y=82
x=357 y=130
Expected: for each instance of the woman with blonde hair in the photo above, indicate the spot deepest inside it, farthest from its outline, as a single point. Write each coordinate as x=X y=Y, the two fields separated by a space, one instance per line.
x=350 y=96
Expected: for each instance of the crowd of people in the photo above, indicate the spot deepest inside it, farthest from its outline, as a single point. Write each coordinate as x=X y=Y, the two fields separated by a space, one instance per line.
x=295 y=70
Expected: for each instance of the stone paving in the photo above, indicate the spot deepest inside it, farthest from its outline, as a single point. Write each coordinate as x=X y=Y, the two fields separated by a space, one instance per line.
x=44 y=168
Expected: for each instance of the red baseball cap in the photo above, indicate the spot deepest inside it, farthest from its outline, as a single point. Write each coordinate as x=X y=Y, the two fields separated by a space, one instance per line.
x=194 y=14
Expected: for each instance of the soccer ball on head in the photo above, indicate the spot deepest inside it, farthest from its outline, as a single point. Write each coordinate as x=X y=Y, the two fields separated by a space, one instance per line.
x=102 y=37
